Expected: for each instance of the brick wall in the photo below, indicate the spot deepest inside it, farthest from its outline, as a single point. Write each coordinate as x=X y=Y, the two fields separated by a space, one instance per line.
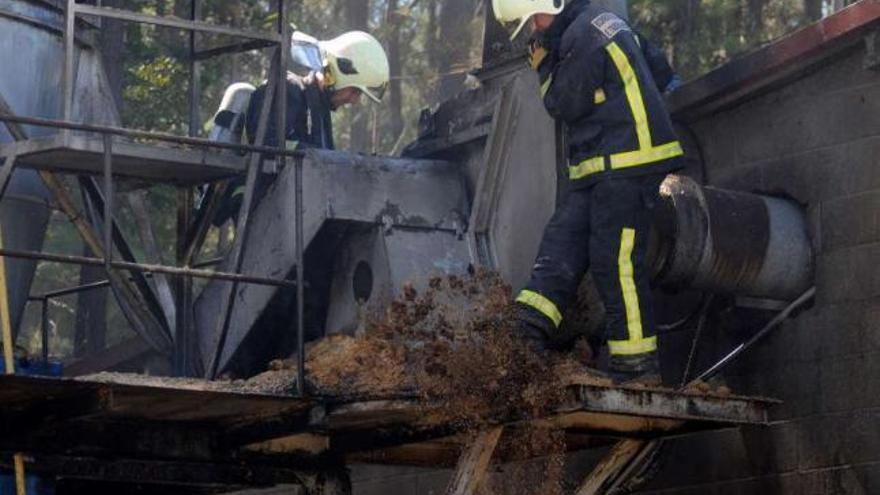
x=816 y=140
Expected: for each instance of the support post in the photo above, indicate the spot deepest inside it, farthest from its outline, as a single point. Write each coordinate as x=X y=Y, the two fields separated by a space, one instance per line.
x=108 y=202
x=140 y=317
x=612 y=464
x=9 y=358
x=6 y=173
x=254 y=160
x=474 y=462
x=44 y=328
x=184 y=285
x=68 y=75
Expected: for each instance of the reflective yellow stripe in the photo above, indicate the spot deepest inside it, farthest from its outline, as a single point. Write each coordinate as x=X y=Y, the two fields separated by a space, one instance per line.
x=630 y=347
x=633 y=94
x=646 y=152
x=546 y=86
x=646 y=156
x=635 y=343
x=238 y=191
x=586 y=167
x=542 y=304
x=599 y=96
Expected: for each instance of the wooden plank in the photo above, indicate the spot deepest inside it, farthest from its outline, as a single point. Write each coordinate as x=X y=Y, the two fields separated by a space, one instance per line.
x=474 y=463
x=617 y=459
x=302 y=443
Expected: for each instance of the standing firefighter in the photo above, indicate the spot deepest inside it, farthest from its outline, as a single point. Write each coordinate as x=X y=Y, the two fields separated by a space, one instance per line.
x=605 y=83
x=338 y=71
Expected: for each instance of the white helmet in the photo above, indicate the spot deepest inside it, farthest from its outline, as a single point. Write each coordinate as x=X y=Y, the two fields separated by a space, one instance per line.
x=357 y=59
x=523 y=10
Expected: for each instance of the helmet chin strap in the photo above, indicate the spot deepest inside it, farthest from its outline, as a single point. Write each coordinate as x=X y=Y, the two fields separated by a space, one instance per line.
x=521 y=25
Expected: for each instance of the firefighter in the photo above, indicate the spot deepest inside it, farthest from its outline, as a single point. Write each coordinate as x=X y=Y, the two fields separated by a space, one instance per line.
x=353 y=64
x=605 y=83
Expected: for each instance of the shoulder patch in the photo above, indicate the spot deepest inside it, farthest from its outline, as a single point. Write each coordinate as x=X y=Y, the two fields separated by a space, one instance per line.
x=609 y=24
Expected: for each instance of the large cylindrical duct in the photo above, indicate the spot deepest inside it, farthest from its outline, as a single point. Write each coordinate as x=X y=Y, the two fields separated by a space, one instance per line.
x=32 y=55
x=730 y=242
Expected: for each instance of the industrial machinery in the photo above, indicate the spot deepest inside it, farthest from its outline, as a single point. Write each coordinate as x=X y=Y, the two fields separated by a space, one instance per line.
x=475 y=189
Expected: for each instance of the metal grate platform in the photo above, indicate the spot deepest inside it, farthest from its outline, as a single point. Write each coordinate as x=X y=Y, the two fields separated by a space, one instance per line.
x=148 y=162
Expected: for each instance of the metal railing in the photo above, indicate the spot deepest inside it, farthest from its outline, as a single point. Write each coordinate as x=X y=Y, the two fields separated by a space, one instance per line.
x=190 y=232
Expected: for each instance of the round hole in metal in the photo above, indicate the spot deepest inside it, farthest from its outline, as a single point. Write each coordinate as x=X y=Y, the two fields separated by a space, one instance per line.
x=362 y=282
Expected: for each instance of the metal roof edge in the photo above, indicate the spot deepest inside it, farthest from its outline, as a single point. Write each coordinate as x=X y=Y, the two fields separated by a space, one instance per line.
x=776 y=63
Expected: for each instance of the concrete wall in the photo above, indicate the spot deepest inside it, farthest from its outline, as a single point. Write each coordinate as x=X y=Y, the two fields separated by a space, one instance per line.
x=816 y=140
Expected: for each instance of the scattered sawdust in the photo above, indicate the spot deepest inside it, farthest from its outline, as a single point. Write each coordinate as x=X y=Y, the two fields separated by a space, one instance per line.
x=155 y=381
x=543 y=471
x=700 y=387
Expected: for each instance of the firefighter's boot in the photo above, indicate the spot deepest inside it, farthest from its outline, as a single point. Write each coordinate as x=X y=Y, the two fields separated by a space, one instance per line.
x=636 y=369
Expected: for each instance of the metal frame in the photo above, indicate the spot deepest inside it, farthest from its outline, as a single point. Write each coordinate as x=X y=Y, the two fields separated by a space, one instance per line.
x=188 y=245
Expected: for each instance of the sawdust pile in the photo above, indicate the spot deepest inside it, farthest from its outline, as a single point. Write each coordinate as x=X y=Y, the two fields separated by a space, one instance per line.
x=465 y=360
x=452 y=344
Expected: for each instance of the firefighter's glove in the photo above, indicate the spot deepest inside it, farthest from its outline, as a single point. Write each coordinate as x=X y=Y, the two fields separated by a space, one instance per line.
x=537 y=53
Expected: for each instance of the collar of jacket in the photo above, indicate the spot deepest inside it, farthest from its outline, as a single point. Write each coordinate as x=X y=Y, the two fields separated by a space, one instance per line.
x=553 y=35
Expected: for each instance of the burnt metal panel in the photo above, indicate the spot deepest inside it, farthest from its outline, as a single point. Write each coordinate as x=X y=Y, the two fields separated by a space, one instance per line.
x=390 y=192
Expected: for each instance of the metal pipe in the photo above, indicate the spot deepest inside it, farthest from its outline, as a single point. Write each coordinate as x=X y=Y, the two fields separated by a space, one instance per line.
x=68 y=76
x=300 y=290
x=241 y=226
x=134 y=308
x=44 y=329
x=195 y=237
x=729 y=242
x=773 y=323
x=67 y=291
x=148 y=268
x=173 y=22
x=108 y=202
x=156 y=136
x=232 y=48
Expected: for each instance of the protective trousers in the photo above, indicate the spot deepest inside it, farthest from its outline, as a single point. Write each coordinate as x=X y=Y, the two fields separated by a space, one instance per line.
x=603 y=228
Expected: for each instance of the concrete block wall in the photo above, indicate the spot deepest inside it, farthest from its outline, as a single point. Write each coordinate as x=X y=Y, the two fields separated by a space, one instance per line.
x=816 y=140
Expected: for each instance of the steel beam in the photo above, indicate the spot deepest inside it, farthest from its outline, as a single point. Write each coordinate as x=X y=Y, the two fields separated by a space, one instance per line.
x=147 y=268
x=231 y=48
x=173 y=22
x=155 y=136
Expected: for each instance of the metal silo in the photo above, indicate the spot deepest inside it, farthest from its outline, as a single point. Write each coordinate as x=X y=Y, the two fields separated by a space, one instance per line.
x=31 y=60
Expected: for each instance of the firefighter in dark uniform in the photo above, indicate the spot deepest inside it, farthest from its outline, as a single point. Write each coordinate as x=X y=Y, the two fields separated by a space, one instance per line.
x=355 y=63
x=605 y=83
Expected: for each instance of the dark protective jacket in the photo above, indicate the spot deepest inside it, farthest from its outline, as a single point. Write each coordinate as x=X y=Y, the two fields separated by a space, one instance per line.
x=605 y=83
x=309 y=123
